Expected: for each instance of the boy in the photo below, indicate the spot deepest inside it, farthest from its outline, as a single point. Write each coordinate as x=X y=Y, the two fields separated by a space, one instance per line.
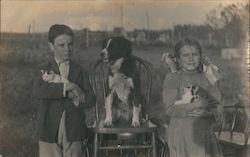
x=61 y=124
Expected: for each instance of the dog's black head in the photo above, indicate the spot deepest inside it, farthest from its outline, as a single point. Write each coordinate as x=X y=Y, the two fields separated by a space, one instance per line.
x=114 y=48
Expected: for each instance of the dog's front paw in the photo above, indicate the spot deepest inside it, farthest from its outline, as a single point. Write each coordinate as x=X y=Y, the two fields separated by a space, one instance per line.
x=108 y=123
x=135 y=123
x=135 y=118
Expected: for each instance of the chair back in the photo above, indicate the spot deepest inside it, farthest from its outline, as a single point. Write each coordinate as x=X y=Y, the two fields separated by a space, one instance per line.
x=99 y=80
x=236 y=120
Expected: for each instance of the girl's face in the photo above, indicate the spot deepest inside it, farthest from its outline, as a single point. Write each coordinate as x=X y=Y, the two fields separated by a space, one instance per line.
x=190 y=58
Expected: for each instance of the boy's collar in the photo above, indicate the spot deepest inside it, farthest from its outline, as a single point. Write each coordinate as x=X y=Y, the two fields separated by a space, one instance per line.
x=59 y=62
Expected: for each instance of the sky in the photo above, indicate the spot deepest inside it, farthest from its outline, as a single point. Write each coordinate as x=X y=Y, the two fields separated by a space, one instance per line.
x=18 y=15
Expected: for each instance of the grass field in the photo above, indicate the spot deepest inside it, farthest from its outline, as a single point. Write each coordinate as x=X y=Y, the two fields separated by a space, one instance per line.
x=18 y=108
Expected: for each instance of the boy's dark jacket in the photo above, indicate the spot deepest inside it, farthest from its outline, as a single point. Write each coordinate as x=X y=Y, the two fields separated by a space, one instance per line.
x=51 y=104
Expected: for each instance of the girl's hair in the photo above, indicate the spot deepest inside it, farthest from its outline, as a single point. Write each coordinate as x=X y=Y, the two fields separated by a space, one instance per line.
x=188 y=42
x=59 y=29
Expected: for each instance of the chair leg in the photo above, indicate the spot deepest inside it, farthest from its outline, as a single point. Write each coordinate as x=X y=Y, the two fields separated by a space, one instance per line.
x=153 y=144
x=244 y=152
x=96 y=145
x=162 y=151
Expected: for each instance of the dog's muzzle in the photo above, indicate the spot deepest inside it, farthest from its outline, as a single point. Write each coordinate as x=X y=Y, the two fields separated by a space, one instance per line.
x=104 y=55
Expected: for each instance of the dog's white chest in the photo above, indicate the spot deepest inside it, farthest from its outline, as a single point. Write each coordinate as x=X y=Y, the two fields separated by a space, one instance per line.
x=121 y=85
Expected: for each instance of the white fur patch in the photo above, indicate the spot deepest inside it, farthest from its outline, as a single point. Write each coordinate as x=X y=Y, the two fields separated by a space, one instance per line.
x=115 y=67
x=121 y=85
x=105 y=51
x=136 y=116
x=108 y=109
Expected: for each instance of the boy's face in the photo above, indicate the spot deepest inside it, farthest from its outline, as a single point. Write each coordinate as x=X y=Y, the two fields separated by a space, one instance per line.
x=62 y=47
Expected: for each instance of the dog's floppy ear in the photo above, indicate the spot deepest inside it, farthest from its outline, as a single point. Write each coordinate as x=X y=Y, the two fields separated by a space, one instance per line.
x=126 y=46
x=121 y=46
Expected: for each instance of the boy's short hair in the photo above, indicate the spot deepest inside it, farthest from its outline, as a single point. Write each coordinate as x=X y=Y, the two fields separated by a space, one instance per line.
x=59 y=29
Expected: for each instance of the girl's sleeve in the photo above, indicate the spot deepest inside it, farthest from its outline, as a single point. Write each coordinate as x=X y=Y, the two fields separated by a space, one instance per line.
x=218 y=112
x=170 y=94
x=215 y=92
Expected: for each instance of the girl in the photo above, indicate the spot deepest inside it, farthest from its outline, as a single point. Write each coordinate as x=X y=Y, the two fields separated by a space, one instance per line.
x=190 y=132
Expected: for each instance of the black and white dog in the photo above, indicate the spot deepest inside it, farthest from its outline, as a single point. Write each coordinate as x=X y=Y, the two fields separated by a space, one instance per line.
x=122 y=102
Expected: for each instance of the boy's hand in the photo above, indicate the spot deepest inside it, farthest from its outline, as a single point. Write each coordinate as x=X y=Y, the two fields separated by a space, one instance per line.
x=70 y=86
x=77 y=95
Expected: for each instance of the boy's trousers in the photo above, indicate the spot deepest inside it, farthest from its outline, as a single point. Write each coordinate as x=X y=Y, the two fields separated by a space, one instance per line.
x=63 y=148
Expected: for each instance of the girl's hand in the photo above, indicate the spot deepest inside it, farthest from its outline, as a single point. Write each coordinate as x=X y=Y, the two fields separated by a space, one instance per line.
x=200 y=103
x=199 y=113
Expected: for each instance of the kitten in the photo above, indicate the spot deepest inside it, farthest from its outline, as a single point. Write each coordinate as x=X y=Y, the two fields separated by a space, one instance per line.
x=189 y=96
x=52 y=77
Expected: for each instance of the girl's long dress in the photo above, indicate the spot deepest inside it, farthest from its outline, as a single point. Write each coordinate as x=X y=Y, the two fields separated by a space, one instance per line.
x=189 y=136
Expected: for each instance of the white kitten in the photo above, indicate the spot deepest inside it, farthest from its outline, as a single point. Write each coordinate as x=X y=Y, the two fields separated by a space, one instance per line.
x=52 y=77
x=188 y=96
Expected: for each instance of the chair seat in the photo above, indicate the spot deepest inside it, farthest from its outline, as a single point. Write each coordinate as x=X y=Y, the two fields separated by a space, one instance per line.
x=145 y=127
x=238 y=138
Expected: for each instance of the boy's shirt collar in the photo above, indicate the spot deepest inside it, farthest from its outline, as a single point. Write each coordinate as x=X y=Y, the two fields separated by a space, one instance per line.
x=59 y=62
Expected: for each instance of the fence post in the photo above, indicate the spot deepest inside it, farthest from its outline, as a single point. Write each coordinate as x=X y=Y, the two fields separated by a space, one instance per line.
x=86 y=37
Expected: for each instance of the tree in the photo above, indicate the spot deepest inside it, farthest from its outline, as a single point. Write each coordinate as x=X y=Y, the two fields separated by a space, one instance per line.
x=232 y=20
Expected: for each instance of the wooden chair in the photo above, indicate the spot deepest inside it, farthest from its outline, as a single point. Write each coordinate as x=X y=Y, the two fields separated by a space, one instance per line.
x=122 y=139
x=234 y=132
x=162 y=145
